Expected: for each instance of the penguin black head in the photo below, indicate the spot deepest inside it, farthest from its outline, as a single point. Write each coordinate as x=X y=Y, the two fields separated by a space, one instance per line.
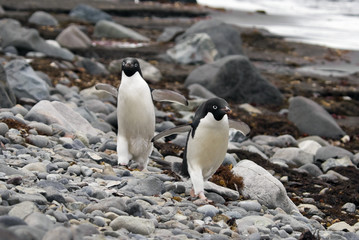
x=130 y=66
x=217 y=106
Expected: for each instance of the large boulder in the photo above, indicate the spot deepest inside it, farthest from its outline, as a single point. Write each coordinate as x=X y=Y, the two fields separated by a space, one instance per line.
x=235 y=78
x=24 y=81
x=226 y=38
x=260 y=185
x=13 y=34
x=108 y=29
x=196 y=48
x=7 y=96
x=42 y=18
x=56 y=112
x=313 y=119
x=73 y=37
x=90 y=14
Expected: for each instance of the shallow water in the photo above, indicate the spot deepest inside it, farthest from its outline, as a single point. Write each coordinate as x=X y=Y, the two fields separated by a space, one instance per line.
x=323 y=22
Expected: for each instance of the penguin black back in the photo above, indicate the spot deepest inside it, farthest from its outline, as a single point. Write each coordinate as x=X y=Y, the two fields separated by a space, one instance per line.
x=130 y=66
x=218 y=107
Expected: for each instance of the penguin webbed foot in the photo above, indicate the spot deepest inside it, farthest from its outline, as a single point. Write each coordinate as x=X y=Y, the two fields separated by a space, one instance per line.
x=200 y=199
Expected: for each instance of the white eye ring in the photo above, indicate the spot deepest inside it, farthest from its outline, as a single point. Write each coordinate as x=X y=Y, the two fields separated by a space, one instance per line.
x=136 y=65
x=123 y=63
x=215 y=107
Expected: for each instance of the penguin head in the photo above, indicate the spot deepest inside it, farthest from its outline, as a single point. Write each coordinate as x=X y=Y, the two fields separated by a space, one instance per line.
x=130 y=66
x=217 y=106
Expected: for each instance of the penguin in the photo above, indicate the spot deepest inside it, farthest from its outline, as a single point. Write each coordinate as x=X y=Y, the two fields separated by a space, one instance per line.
x=207 y=142
x=136 y=113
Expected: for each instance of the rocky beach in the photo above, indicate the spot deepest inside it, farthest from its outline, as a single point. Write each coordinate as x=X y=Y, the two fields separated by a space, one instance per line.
x=294 y=176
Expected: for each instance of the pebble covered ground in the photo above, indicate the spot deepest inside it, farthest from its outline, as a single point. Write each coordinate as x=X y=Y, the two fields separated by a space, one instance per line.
x=59 y=177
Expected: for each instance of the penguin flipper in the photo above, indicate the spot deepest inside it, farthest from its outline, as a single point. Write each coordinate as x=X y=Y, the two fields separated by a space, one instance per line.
x=108 y=88
x=240 y=126
x=175 y=130
x=164 y=95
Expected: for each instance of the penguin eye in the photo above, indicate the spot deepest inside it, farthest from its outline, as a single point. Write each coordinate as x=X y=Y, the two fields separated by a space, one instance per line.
x=123 y=63
x=215 y=107
x=136 y=64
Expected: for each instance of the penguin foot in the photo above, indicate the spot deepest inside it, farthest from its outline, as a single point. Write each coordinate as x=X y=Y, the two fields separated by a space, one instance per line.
x=202 y=199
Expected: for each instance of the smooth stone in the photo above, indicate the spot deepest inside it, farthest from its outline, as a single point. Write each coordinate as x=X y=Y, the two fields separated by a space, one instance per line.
x=250 y=205
x=27 y=232
x=222 y=191
x=208 y=210
x=332 y=176
x=327 y=152
x=23 y=209
x=39 y=141
x=313 y=119
x=341 y=226
x=3 y=128
x=148 y=186
x=229 y=159
x=105 y=204
x=89 y=13
x=92 y=67
x=336 y=162
x=58 y=113
x=43 y=19
x=133 y=224
x=40 y=221
x=41 y=128
x=310 y=209
x=35 y=167
x=73 y=38
x=18 y=109
x=8 y=221
x=293 y=156
x=309 y=146
x=311 y=169
x=290 y=220
x=60 y=232
x=260 y=221
x=109 y=29
x=260 y=185
x=87 y=229
x=218 y=78
x=349 y=207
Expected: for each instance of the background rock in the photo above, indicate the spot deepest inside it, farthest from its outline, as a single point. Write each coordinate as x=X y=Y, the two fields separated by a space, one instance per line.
x=108 y=29
x=235 y=78
x=7 y=96
x=73 y=37
x=89 y=13
x=313 y=119
x=43 y=19
x=24 y=82
x=12 y=33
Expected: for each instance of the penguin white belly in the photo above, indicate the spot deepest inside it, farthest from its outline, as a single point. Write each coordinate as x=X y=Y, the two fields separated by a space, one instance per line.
x=206 y=151
x=136 y=119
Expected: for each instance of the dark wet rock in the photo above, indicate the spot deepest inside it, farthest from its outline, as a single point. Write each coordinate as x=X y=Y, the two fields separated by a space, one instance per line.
x=313 y=119
x=12 y=33
x=90 y=14
x=235 y=78
x=327 y=152
x=43 y=19
x=8 y=221
x=7 y=96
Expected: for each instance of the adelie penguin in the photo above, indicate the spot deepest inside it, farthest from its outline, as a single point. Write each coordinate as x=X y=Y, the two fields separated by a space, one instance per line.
x=136 y=113
x=207 y=142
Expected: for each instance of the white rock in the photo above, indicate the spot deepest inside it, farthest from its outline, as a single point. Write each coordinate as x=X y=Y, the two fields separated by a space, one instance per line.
x=260 y=185
x=309 y=146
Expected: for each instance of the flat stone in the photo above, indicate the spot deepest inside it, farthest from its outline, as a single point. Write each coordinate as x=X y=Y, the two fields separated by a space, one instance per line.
x=24 y=209
x=133 y=224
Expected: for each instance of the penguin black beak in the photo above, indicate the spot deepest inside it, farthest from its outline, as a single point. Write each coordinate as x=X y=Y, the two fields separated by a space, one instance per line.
x=227 y=110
